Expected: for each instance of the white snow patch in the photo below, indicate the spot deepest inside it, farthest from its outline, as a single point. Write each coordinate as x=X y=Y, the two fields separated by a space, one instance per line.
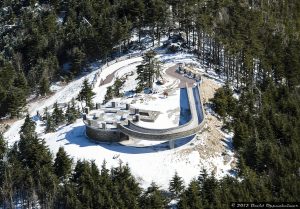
x=155 y=163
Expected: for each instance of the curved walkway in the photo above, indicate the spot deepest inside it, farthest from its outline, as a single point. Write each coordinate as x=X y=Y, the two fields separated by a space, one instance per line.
x=109 y=78
x=183 y=80
x=188 y=129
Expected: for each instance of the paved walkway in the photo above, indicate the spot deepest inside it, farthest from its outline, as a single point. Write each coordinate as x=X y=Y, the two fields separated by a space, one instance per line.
x=194 y=124
x=188 y=129
x=108 y=78
x=183 y=80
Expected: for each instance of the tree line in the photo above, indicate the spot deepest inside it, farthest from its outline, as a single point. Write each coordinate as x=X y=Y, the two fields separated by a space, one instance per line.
x=249 y=42
x=32 y=177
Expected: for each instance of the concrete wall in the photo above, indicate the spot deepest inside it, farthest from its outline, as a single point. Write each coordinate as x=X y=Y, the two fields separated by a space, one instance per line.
x=167 y=130
x=186 y=130
x=192 y=127
x=101 y=135
x=160 y=136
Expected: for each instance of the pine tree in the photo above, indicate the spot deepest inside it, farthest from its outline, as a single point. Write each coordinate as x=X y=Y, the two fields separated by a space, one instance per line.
x=44 y=87
x=3 y=147
x=49 y=122
x=86 y=94
x=28 y=128
x=148 y=71
x=62 y=164
x=33 y=157
x=46 y=113
x=16 y=102
x=176 y=185
x=117 y=87
x=77 y=60
x=21 y=82
x=83 y=179
x=57 y=115
x=223 y=101
x=191 y=197
x=72 y=113
x=126 y=186
x=32 y=151
x=50 y=125
x=153 y=198
x=109 y=94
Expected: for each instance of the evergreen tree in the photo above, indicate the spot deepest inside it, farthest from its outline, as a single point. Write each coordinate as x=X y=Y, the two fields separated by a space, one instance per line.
x=46 y=113
x=44 y=87
x=50 y=125
x=153 y=198
x=86 y=94
x=21 y=83
x=109 y=94
x=148 y=70
x=33 y=158
x=125 y=185
x=16 y=102
x=49 y=122
x=117 y=87
x=191 y=198
x=3 y=147
x=77 y=60
x=176 y=185
x=62 y=164
x=72 y=113
x=28 y=128
x=57 y=115
x=223 y=101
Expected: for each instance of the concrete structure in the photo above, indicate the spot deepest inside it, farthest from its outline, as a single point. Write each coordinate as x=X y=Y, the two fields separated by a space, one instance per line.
x=114 y=124
x=188 y=72
x=103 y=124
x=188 y=129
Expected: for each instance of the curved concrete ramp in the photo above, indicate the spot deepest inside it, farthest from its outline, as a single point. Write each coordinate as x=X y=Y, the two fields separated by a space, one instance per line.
x=188 y=129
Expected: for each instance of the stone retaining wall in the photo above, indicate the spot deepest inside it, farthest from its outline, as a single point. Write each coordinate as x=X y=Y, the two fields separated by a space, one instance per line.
x=103 y=135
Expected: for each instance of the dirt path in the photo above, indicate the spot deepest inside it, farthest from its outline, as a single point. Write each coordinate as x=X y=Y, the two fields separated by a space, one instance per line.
x=108 y=79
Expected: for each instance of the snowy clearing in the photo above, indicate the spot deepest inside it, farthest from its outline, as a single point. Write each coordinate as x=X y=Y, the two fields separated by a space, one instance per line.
x=210 y=149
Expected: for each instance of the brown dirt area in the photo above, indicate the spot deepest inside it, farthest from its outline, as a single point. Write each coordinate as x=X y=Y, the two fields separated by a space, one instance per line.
x=210 y=136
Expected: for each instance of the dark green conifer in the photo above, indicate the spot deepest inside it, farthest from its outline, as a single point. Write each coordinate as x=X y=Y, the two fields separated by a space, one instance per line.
x=62 y=164
x=176 y=185
x=57 y=115
x=86 y=94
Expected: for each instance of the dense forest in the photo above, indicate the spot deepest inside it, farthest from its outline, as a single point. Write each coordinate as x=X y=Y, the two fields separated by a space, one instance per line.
x=253 y=44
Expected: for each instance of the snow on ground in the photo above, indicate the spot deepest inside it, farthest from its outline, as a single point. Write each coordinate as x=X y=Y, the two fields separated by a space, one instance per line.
x=153 y=163
x=168 y=108
x=65 y=94
x=122 y=67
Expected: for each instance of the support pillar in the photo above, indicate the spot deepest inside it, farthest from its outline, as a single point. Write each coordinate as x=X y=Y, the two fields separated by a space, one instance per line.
x=172 y=144
x=98 y=106
x=113 y=104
